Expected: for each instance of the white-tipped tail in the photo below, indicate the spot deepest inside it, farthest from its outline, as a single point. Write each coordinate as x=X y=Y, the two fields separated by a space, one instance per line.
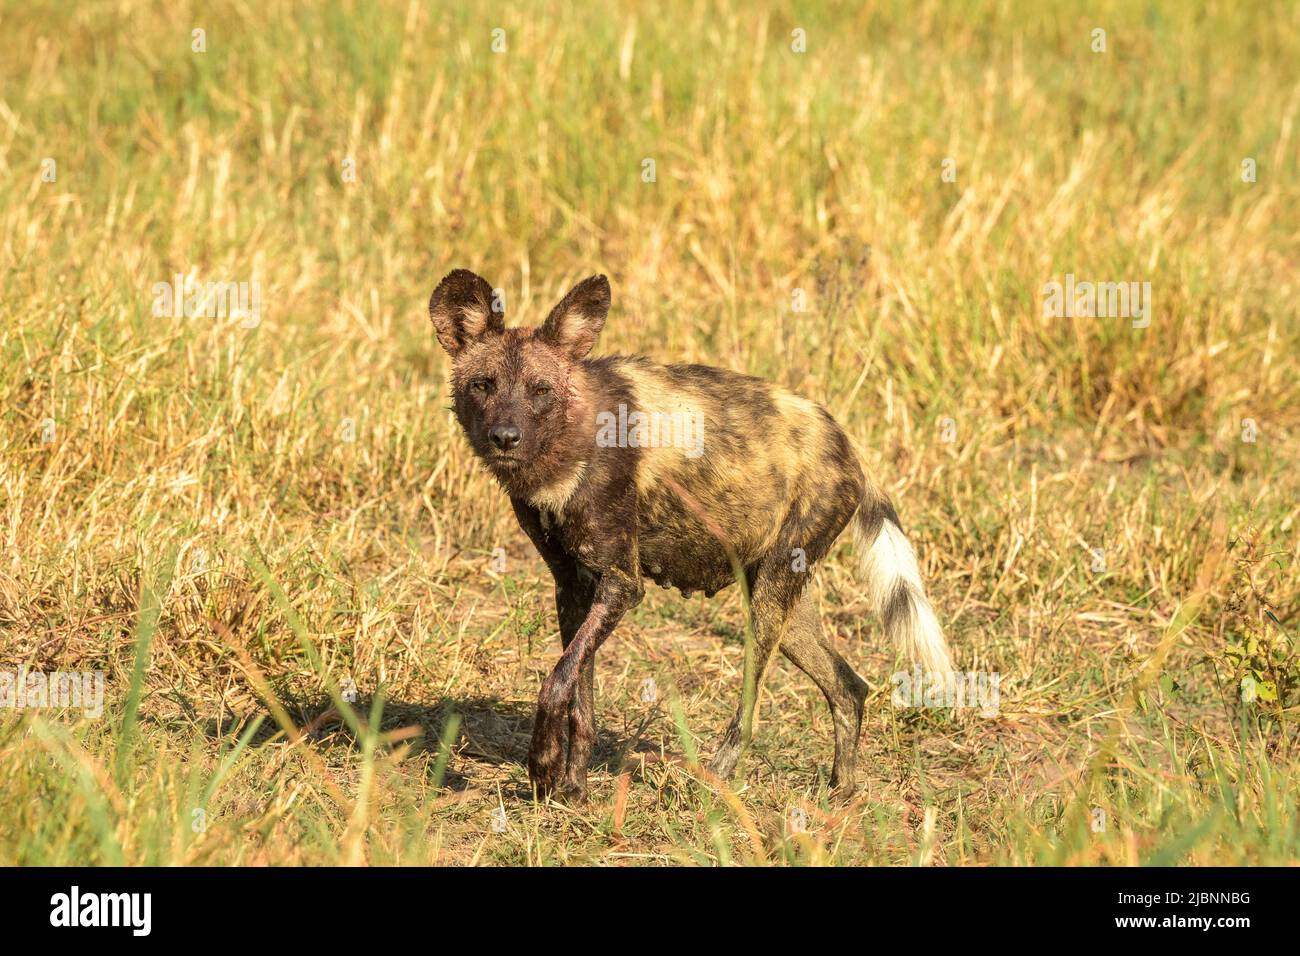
x=897 y=595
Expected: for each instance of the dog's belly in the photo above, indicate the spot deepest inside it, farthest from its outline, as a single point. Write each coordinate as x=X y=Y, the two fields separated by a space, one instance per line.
x=689 y=565
x=700 y=548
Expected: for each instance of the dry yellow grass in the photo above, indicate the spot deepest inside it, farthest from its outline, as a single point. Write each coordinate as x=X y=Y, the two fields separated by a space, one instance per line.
x=300 y=485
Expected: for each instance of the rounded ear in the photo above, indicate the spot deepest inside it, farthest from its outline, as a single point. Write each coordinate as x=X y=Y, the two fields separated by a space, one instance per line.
x=575 y=322
x=462 y=310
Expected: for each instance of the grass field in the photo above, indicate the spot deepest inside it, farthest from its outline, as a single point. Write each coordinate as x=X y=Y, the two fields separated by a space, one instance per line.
x=239 y=518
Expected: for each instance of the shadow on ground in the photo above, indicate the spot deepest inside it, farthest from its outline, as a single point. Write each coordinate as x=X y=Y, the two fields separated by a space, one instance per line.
x=489 y=732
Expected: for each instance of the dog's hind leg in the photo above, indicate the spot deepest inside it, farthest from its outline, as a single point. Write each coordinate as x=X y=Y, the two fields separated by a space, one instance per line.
x=774 y=589
x=809 y=648
x=777 y=584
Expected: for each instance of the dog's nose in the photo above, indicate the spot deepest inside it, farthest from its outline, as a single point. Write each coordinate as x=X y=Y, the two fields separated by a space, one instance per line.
x=504 y=437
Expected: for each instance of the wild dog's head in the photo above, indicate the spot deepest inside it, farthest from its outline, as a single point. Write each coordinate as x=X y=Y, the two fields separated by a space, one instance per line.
x=519 y=394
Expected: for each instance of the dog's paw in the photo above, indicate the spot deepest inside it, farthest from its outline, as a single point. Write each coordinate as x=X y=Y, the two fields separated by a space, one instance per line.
x=545 y=768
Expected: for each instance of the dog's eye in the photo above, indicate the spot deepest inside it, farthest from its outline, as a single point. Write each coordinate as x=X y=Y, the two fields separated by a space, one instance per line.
x=540 y=389
x=481 y=385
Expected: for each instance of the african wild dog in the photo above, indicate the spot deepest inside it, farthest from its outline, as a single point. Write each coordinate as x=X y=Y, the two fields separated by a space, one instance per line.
x=776 y=485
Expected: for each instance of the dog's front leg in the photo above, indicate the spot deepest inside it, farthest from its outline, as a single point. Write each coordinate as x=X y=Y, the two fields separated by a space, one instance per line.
x=574 y=593
x=558 y=704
